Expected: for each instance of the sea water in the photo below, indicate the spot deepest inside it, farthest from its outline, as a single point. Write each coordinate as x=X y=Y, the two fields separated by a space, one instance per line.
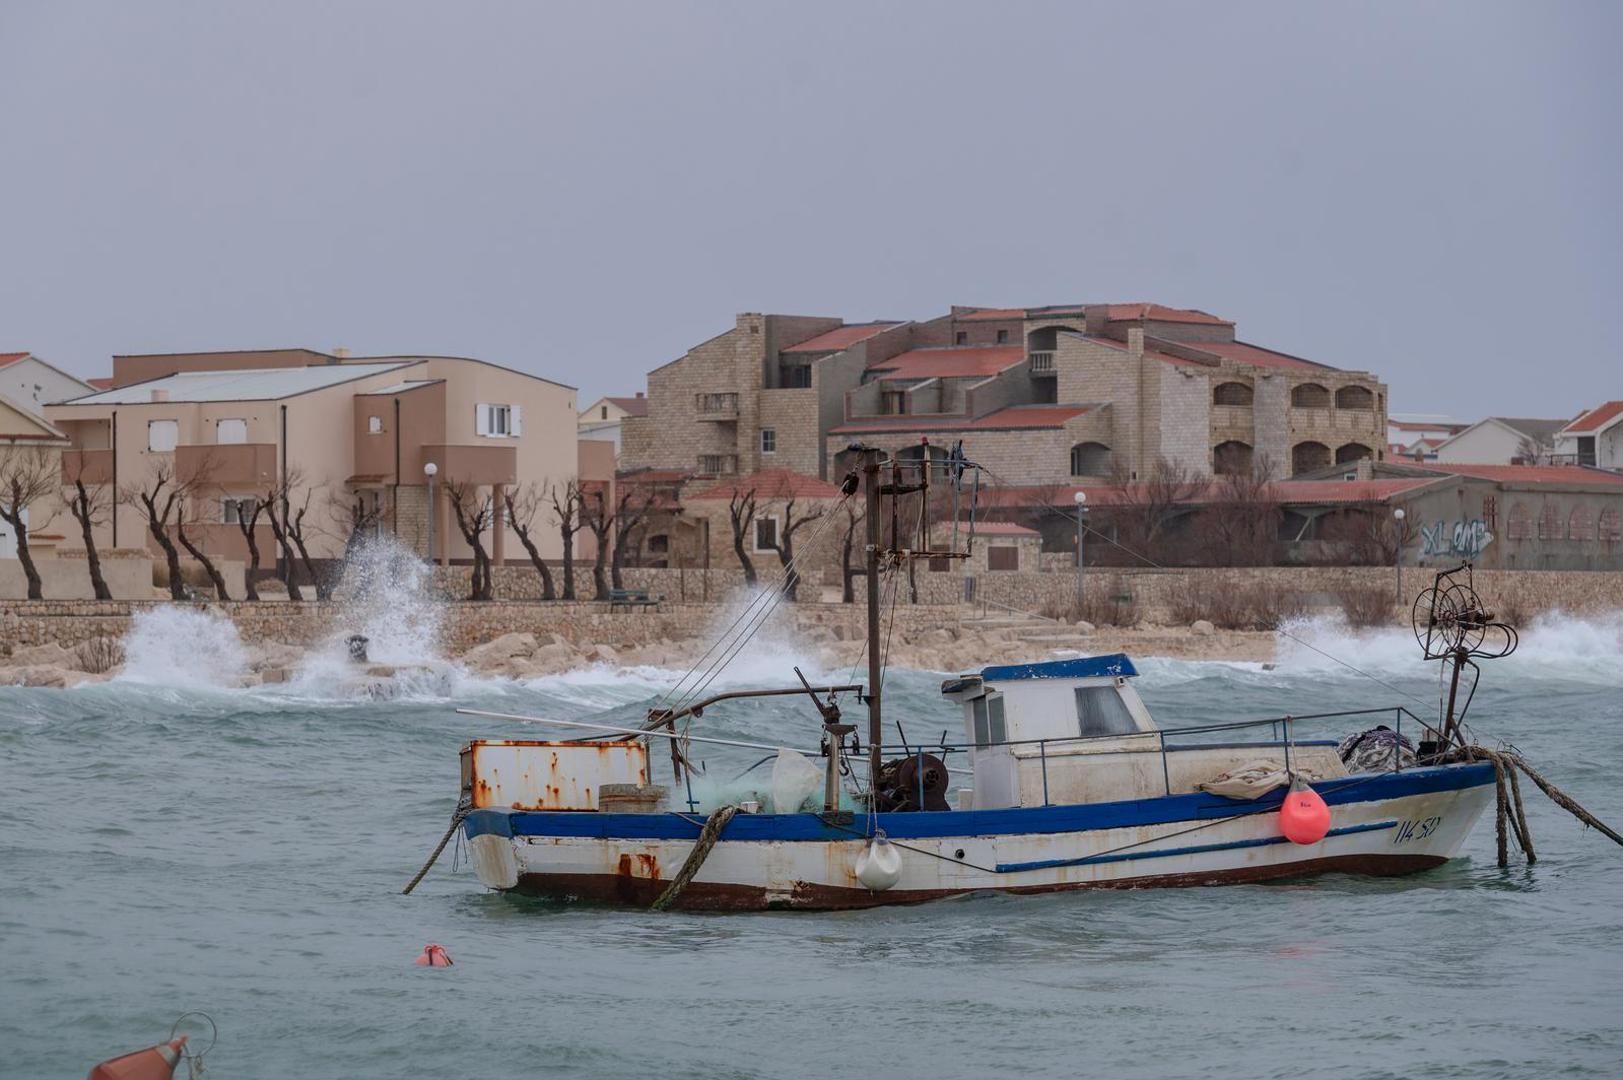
x=170 y=844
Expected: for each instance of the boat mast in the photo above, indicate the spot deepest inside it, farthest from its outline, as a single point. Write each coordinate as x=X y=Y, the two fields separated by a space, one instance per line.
x=870 y=473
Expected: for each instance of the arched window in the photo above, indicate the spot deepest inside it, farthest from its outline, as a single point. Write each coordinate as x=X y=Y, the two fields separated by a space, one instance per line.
x=1352 y=452
x=1307 y=456
x=1611 y=526
x=1550 y=525
x=1519 y=525
x=1232 y=458
x=1090 y=459
x=1231 y=393
x=1355 y=397
x=1581 y=524
x=1310 y=396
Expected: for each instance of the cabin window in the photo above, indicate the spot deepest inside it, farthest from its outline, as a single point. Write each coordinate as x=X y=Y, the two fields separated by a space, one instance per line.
x=1101 y=711
x=990 y=727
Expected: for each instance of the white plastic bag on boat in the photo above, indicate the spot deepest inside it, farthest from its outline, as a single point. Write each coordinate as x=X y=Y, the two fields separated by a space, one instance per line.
x=794 y=778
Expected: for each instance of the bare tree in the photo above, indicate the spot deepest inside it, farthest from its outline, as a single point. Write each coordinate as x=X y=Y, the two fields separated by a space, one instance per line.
x=90 y=505
x=28 y=474
x=159 y=498
x=1241 y=526
x=631 y=509
x=741 y=512
x=1535 y=450
x=1143 y=511
x=249 y=511
x=295 y=523
x=568 y=506
x=600 y=519
x=475 y=514
x=278 y=511
x=784 y=544
x=197 y=552
x=522 y=507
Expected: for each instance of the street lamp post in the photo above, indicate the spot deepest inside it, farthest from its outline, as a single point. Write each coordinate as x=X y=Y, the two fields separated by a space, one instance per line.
x=429 y=470
x=1399 y=515
x=1081 y=528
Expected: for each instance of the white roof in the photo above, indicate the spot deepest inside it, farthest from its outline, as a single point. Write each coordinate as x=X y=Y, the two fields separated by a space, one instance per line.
x=402 y=387
x=252 y=384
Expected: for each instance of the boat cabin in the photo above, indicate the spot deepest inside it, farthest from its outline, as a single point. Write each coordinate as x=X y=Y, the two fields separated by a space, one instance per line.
x=1076 y=731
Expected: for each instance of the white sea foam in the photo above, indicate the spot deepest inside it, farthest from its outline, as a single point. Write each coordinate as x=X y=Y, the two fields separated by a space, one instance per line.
x=183 y=647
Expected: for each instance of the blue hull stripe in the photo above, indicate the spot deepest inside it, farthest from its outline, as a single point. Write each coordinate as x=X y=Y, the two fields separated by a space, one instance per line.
x=1193 y=849
x=1015 y=821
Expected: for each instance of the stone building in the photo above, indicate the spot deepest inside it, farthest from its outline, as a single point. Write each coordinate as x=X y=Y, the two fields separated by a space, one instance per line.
x=1036 y=395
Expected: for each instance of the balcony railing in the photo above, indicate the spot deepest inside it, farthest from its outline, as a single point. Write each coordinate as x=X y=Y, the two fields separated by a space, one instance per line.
x=227 y=464
x=718 y=464
x=1042 y=363
x=716 y=406
x=90 y=466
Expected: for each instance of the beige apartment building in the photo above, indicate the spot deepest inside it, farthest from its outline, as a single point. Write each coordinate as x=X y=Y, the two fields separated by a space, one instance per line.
x=1037 y=395
x=236 y=425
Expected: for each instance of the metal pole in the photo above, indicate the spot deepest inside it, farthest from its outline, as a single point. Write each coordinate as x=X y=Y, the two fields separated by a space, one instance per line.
x=431 y=511
x=1397 y=560
x=1079 y=554
x=870 y=470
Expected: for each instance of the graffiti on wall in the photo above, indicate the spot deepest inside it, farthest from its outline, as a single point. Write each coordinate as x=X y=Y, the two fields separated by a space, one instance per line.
x=1465 y=539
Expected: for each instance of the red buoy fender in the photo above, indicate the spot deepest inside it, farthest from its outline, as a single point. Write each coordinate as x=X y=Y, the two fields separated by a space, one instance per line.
x=153 y=1063
x=1303 y=816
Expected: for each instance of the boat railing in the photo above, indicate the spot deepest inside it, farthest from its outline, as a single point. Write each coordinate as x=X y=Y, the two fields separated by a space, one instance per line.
x=1281 y=728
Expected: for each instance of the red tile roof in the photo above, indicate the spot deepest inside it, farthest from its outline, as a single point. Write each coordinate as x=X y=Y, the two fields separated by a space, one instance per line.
x=992 y=314
x=1150 y=353
x=956 y=361
x=1003 y=528
x=841 y=337
x=634 y=406
x=1529 y=474
x=1257 y=356
x=7 y=358
x=1595 y=419
x=1011 y=418
x=1212 y=491
x=773 y=484
x=1161 y=313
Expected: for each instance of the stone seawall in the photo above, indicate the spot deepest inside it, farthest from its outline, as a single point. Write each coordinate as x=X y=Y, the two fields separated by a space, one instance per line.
x=1152 y=593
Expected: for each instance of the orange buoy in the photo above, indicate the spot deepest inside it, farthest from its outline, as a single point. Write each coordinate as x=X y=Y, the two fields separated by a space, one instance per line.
x=153 y=1063
x=1303 y=816
x=433 y=956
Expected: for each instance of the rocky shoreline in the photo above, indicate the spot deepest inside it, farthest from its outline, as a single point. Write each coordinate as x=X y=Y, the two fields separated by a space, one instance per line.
x=526 y=655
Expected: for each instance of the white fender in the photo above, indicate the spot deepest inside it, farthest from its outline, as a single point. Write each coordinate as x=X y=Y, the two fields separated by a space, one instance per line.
x=880 y=864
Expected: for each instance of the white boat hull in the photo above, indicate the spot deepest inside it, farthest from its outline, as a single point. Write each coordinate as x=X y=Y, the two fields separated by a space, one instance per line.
x=1422 y=824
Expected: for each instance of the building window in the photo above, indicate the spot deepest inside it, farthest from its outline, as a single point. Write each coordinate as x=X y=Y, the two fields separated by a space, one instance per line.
x=1519 y=526
x=374 y=425
x=1308 y=456
x=1232 y=393
x=237 y=511
x=1611 y=526
x=1490 y=512
x=230 y=431
x=941 y=564
x=1310 y=396
x=766 y=534
x=1352 y=452
x=162 y=435
x=1232 y=458
x=1550 y=525
x=1090 y=459
x=1355 y=397
x=603 y=413
x=893 y=402
x=1101 y=711
x=1586 y=450
x=961 y=338
x=1002 y=337
x=795 y=376
x=497 y=421
x=1002 y=558
x=769 y=441
x=1581 y=524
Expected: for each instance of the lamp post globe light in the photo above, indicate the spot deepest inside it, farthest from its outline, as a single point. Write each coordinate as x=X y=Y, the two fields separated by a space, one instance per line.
x=1081 y=498
x=1398 y=515
x=429 y=469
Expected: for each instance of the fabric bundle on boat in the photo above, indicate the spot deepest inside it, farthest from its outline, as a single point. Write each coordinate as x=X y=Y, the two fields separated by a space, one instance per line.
x=1253 y=780
x=1376 y=750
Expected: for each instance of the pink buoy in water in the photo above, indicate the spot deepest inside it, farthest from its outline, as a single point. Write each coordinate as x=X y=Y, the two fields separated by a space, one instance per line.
x=1303 y=816
x=433 y=956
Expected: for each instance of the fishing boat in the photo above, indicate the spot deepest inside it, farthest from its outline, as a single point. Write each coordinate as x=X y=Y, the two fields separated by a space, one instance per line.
x=1061 y=779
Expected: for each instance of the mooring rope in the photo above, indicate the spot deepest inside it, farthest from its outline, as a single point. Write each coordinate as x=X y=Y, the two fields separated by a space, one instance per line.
x=1510 y=815
x=456 y=820
x=713 y=825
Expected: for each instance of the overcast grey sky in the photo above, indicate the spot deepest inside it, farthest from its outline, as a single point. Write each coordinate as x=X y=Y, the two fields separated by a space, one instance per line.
x=1429 y=191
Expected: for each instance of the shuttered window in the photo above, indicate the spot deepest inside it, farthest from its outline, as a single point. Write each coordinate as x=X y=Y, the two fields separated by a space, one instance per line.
x=1002 y=558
